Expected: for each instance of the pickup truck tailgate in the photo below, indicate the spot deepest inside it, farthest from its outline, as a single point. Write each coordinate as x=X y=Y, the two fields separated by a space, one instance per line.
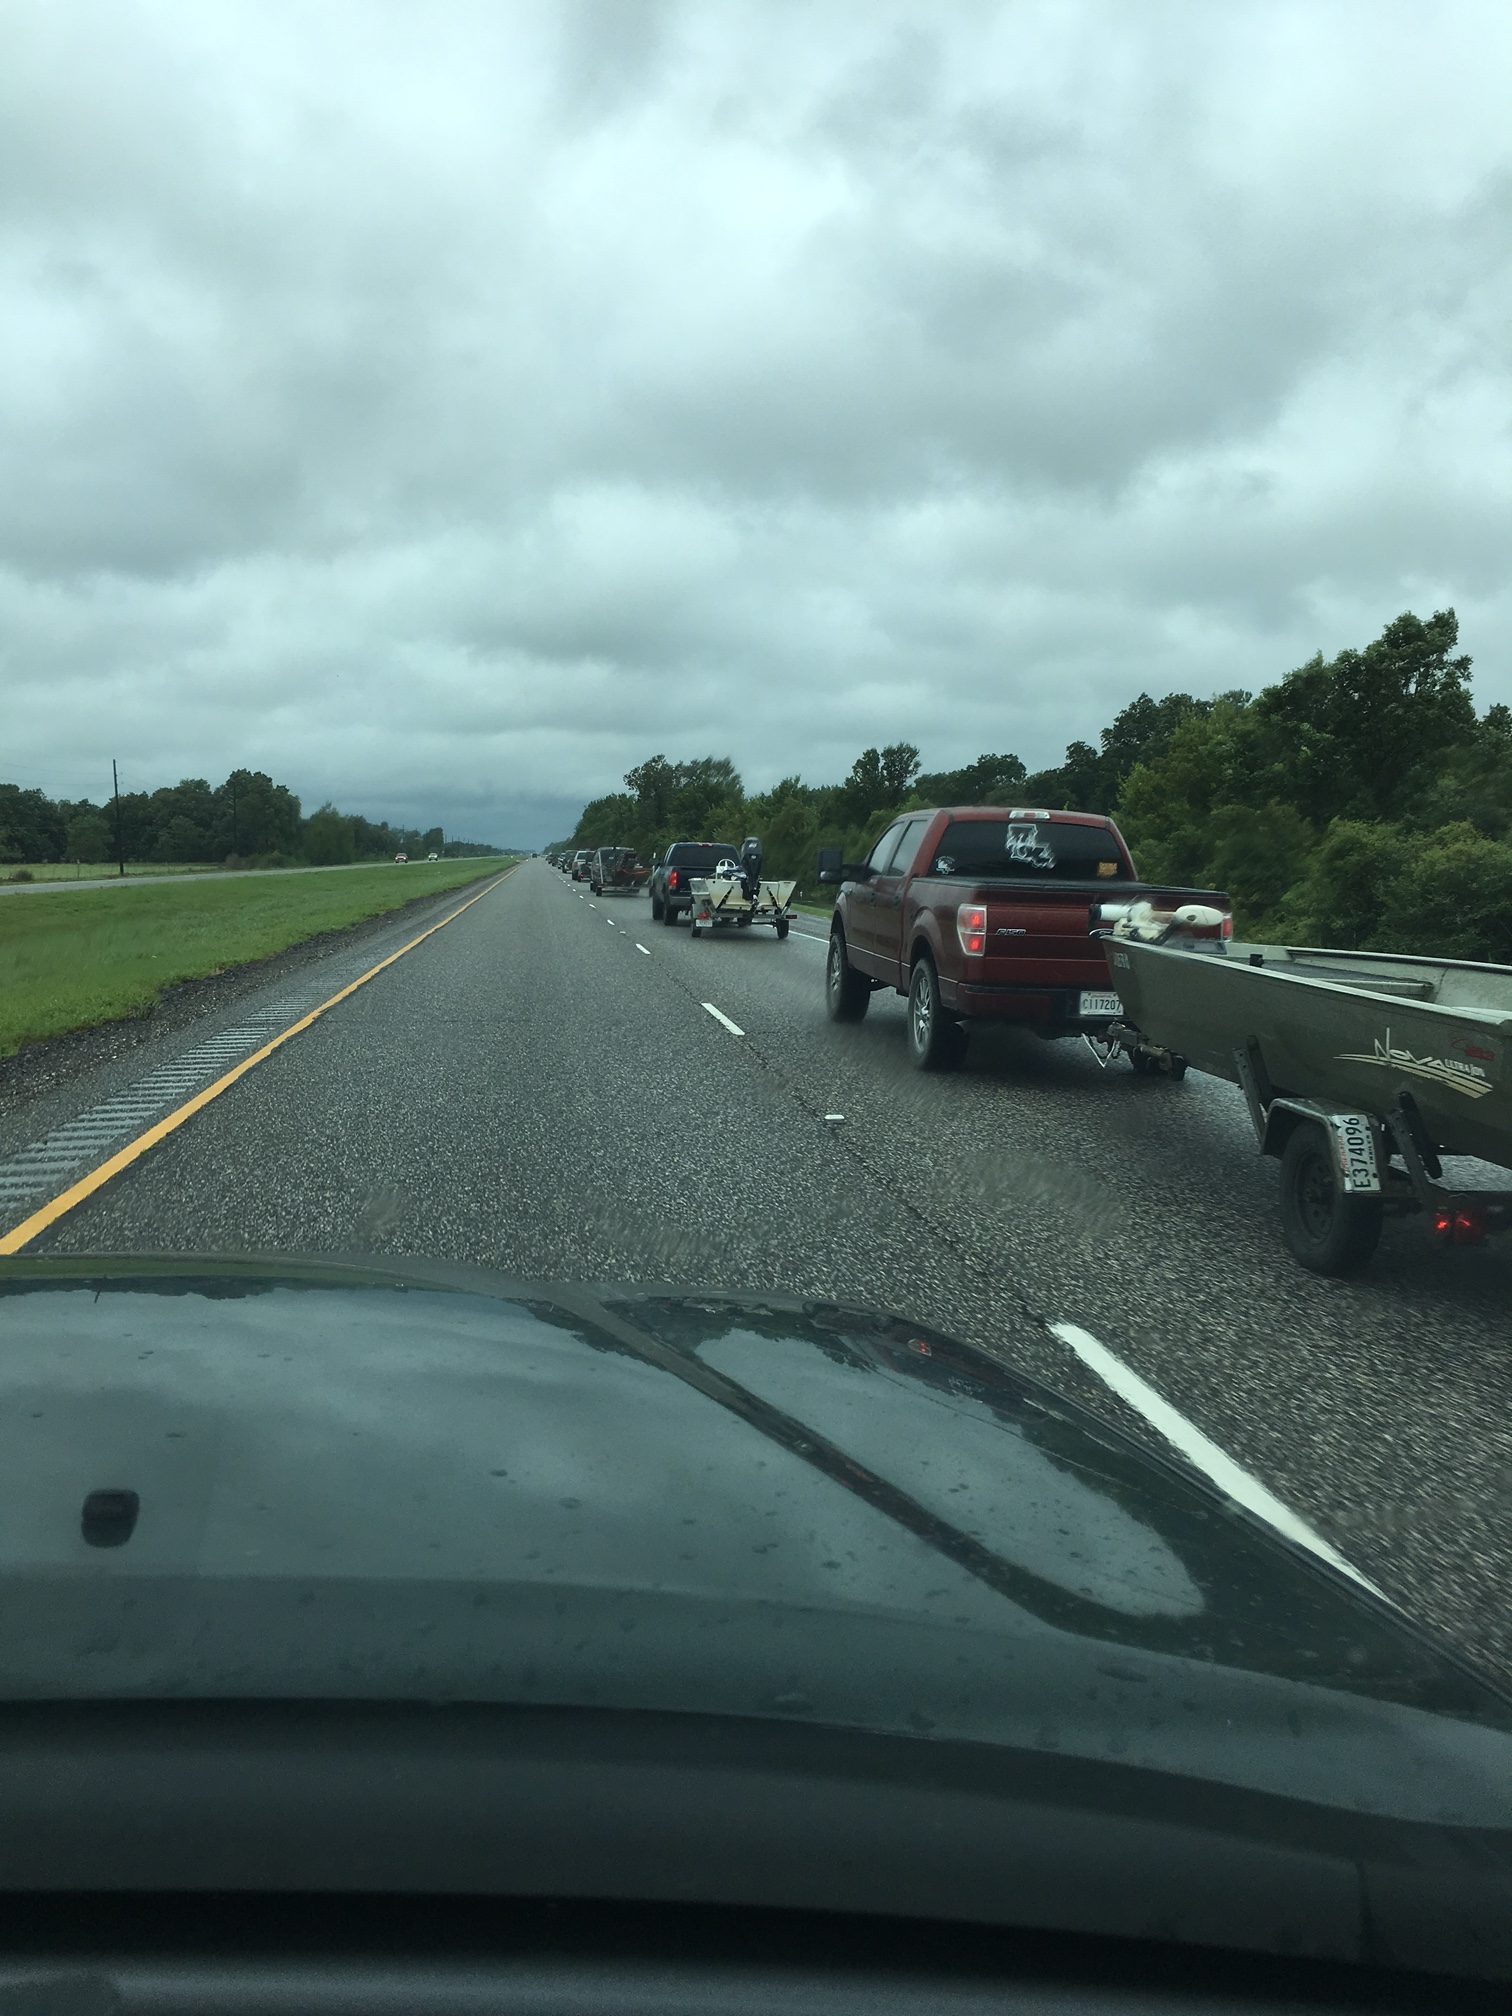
x=1050 y=928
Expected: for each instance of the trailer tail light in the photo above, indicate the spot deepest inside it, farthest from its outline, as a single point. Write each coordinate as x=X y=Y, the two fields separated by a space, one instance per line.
x=1228 y=928
x=1461 y=1225
x=971 y=928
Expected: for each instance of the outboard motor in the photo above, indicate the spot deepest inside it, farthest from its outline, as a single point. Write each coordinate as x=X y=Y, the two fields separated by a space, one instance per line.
x=750 y=863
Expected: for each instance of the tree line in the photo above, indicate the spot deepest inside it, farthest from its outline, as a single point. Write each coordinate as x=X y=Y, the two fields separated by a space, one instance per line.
x=246 y=822
x=1359 y=801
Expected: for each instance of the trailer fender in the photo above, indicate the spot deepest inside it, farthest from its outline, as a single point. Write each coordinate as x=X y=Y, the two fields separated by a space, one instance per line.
x=1359 y=1150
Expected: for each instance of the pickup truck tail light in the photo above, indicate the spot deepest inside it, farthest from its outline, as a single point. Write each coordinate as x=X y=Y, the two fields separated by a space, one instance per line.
x=673 y=880
x=971 y=928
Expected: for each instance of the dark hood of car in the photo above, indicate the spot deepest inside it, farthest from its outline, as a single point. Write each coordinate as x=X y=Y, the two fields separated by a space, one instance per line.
x=428 y=1484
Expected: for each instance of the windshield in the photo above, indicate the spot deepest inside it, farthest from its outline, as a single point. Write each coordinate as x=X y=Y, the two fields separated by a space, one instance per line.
x=859 y=444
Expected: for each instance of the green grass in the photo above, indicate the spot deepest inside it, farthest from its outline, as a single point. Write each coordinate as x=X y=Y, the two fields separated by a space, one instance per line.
x=94 y=871
x=98 y=954
x=824 y=910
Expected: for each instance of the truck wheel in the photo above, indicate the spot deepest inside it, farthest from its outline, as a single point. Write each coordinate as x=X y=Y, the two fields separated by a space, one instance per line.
x=656 y=910
x=934 y=1040
x=1329 y=1229
x=782 y=929
x=847 y=993
x=669 y=913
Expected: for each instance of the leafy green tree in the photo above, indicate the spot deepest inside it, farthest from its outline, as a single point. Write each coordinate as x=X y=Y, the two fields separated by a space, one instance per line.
x=1452 y=898
x=790 y=839
x=254 y=816
x=654 y=784
x=1344 y=900
x=89 y=838
x=880 y=779
x=1258 y=854
x=990 y=780
x=31 y=826
x=329 y=838
x=1364 y=735
x=179 y=838
x=1475 y=782
x=1165 y=807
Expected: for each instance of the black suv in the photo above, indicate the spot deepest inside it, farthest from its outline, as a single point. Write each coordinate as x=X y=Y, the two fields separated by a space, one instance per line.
x=671 y=875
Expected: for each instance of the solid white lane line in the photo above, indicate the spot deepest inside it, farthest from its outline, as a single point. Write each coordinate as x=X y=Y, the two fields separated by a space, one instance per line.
x=720 y=1017
x=641 y=948
x=1231 y=1479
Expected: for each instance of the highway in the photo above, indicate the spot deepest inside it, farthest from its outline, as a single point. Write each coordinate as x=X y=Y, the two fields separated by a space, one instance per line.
x=553 y=1086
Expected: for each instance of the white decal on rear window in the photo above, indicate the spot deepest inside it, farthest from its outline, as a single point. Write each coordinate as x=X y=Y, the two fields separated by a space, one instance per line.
x=1028 y=845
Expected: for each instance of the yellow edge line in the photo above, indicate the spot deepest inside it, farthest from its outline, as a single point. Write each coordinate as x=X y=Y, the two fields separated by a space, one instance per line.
x=96 y=1179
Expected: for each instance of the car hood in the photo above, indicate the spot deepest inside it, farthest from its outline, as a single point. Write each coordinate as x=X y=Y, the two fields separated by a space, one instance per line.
x=429 y=1484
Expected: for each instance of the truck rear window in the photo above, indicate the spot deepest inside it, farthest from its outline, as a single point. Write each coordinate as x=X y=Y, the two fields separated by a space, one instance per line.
x=700 y=853
x=1027 y=849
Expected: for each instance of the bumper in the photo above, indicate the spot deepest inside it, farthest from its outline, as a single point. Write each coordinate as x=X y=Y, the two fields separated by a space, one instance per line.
x=1050 y=1011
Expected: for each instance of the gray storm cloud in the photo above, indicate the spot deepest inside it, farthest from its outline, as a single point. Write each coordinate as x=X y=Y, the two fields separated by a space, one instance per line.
x=443 y=409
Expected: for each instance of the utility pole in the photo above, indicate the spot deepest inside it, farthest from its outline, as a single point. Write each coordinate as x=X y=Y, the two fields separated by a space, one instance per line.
x=115 y=794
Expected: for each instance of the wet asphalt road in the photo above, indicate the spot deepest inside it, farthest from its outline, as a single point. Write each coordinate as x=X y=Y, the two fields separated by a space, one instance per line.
x=530 y=1091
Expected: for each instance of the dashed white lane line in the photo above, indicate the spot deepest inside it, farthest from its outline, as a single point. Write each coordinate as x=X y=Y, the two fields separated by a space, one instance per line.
x=723 y=1019
x=641 y=948
x=609 y=921
x=1234 y=1481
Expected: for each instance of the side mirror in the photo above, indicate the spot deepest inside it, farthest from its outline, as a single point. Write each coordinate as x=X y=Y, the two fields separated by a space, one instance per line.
x=833 y=869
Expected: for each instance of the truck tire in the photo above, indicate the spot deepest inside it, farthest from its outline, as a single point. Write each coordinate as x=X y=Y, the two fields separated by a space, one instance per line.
x=1327 y=1228
x=847 y=993
x=669 y=913
x=656 y=909
x=934 y=1039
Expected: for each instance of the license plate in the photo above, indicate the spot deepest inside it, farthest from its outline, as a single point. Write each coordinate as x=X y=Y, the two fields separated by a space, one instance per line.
x=1100 y=1004
x=1357 y=1152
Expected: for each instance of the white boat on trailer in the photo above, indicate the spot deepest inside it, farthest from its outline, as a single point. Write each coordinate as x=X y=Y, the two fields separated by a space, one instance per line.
x=736 y=895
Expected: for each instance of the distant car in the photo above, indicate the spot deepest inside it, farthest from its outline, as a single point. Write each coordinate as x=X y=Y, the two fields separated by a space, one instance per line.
x=401 y=857
x=433 y=857
x=580 y=862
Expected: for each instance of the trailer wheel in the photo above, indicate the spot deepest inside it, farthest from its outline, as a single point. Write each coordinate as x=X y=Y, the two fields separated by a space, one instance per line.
x=782 y=927
x=1329 y=1229
x=847 y=993
x=935 y=1042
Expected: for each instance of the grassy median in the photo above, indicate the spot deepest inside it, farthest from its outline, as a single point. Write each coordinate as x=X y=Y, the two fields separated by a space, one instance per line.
x=71 y=960
x=99 y=871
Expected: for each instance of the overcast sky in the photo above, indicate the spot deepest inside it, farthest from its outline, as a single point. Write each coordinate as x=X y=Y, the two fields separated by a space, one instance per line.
x=444 y=407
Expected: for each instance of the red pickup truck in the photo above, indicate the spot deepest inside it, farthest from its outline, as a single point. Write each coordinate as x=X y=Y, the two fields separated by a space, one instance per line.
x=982 y=914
